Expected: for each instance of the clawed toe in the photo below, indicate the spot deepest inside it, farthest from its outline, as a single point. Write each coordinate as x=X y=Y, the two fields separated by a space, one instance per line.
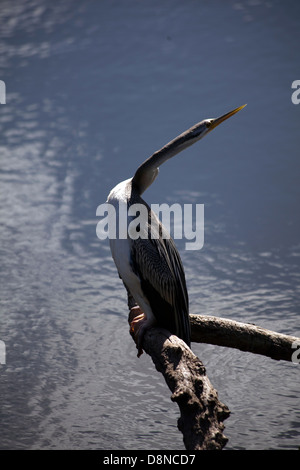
x=136 y=330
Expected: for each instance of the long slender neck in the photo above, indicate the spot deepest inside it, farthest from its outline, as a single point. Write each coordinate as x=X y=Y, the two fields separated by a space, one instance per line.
x=148 y=171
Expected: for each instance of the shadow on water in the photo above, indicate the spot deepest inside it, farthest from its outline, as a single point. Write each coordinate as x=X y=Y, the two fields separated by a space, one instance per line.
x=92 y=90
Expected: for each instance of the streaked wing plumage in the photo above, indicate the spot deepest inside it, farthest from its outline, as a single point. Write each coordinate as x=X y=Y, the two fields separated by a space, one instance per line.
x=158 y=265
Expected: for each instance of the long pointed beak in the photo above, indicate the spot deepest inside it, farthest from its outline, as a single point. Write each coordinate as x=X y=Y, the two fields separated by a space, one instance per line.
x=220 y=119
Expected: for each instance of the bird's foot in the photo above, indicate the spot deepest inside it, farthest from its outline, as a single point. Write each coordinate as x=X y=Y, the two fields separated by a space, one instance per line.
x=137 y=321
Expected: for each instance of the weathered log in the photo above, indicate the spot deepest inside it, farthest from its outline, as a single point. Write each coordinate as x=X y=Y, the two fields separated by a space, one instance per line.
x=242 y=336
x=201 y=412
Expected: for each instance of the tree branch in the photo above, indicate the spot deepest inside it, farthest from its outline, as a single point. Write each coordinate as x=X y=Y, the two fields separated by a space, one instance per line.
x=201 y=412
x=242 y=336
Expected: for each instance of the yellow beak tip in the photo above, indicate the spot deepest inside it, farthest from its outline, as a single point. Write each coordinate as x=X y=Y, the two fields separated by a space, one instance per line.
x=236 y=110
x=223 y=118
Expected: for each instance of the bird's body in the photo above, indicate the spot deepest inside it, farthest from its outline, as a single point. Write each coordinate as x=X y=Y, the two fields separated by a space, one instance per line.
x=150 y=266
x=151 y=269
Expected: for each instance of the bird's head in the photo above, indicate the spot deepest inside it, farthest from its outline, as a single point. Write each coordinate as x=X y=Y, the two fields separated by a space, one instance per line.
x=201 y=129
x=147 y=172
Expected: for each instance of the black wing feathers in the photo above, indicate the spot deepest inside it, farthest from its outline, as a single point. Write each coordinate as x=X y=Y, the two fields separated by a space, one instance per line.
x=159 y=267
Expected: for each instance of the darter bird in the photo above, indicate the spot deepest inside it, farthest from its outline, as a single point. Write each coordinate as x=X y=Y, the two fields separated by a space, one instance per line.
x=150 y=266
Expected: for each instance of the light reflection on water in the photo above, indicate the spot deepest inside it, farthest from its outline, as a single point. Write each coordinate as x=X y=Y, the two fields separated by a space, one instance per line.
x=87 y=101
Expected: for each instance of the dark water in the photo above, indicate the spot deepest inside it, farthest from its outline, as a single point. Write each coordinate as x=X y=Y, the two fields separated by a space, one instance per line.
x=93 y=88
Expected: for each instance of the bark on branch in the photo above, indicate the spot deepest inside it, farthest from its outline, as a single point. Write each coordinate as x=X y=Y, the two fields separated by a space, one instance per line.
x=242 y=336
x=201 y=412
